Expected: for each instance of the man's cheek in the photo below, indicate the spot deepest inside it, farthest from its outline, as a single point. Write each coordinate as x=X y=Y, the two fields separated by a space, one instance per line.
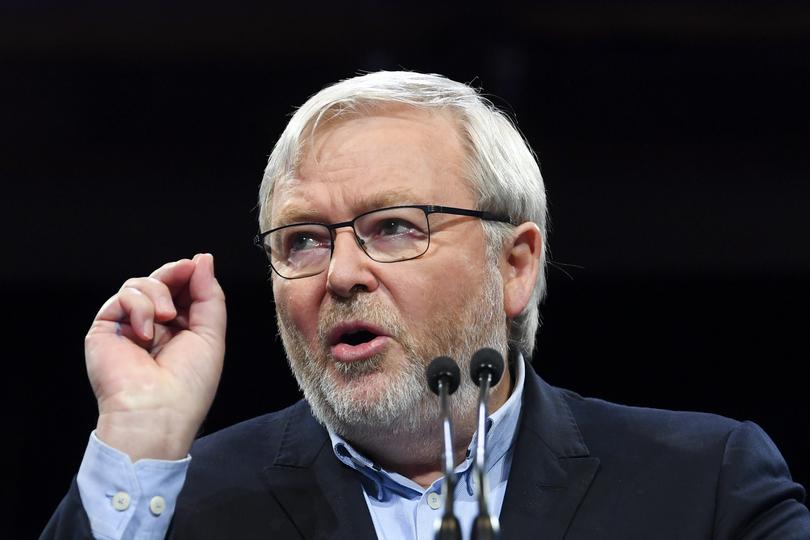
x=304 y=316
x=410 y=293
x=291 y=310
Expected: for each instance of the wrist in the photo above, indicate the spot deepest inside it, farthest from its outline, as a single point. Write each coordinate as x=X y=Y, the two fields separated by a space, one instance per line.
x=146 y=436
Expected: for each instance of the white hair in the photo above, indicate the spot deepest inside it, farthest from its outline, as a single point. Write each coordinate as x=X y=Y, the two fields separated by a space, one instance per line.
x=502 y=168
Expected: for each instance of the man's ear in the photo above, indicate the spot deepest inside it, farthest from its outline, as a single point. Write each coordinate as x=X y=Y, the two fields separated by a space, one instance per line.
x=520 y=264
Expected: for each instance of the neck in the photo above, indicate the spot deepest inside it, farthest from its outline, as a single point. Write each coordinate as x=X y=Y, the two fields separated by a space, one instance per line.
x=418 y=455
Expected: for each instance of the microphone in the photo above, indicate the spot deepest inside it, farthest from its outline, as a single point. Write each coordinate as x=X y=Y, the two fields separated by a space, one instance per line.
x=486 y=368
x=443 y=378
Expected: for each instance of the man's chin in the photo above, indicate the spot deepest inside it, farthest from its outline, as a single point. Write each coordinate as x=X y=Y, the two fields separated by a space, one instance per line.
x=365 y=385
x=358 y=369
x=361 y=388
x=358 y=398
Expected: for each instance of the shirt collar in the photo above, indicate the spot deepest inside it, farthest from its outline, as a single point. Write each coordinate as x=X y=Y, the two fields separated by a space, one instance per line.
x=501 y=428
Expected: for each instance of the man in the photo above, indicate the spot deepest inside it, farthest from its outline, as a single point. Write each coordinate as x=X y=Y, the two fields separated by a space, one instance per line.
x=404 y=218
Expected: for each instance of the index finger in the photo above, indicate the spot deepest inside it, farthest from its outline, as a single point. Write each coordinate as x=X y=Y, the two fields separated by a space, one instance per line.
x=175 y=275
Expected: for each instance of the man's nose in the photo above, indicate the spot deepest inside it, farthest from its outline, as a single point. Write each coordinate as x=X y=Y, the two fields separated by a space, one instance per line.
x=350 y=269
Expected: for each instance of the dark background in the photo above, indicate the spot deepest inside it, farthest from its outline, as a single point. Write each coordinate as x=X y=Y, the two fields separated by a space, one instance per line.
x=673 y=138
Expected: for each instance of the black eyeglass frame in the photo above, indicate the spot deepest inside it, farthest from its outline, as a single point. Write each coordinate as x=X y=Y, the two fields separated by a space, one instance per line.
x=428 y=209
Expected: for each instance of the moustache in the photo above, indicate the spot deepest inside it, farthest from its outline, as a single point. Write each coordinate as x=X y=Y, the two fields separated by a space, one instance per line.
x=358 y=308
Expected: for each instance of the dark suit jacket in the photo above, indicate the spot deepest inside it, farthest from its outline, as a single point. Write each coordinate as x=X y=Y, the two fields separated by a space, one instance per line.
x=582 y=469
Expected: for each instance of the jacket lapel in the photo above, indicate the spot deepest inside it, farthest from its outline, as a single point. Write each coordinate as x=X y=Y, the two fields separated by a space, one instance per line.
x=551 y=469
x=322 y=497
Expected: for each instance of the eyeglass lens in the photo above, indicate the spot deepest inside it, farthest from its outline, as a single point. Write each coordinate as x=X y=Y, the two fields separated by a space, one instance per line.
x=387 y=235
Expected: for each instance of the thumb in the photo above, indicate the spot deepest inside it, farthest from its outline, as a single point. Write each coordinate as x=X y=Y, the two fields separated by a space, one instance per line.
x=207 y=315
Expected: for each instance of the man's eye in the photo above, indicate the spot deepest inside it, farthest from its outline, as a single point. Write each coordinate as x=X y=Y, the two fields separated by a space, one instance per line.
x=393 y=227
x=303 y=242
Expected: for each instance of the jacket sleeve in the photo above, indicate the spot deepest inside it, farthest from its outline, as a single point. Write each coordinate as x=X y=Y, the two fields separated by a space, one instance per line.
x=756 y=497
x=70 y=521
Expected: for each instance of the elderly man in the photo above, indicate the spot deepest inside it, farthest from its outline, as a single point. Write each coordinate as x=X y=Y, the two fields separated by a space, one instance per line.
x=404 y=218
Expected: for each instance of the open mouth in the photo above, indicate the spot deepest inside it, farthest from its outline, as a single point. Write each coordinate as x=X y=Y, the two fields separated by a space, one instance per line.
x=356 y=341
x=357 y=337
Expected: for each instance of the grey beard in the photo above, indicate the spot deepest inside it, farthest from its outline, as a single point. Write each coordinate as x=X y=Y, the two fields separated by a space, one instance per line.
x=406 y=406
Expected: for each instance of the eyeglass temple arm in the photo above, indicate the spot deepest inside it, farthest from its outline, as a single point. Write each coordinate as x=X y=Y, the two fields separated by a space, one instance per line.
x=489 y=216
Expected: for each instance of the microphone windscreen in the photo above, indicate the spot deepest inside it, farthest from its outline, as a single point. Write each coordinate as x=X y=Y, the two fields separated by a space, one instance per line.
x=484 y=360
x=446 y=368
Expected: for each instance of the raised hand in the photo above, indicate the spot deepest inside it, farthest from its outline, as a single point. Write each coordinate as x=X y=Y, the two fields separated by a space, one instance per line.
x=154 y=356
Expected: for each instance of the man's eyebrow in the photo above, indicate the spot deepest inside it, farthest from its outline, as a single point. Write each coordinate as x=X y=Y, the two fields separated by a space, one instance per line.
x=295 y=214
x=362 y=203
x=392 y=197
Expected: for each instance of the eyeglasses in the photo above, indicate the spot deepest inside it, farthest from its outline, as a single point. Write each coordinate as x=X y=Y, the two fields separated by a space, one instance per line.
x=386 y=235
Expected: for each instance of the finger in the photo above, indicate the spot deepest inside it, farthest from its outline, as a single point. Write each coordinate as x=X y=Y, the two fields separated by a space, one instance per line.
x=158 y=293
x=103 y=330
x=175 y=275
x=207 y=316
x=122 y=329
x=127 y=306
x=139 y=310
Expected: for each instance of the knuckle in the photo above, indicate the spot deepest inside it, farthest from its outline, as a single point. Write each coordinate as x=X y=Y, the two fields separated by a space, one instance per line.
x=132 y=282
x=158 y=285
x=133 y=299
x=131 y=291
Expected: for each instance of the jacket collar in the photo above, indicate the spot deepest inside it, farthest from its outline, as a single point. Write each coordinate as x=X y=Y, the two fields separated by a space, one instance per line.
x=551 y=468
x=321 y=496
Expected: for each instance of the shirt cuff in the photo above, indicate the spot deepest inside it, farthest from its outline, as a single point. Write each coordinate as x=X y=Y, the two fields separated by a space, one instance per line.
x=126 y=500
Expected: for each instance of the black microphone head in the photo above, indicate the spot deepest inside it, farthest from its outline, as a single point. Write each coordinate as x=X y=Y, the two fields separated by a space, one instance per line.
x=486 y=360
x=446 y=368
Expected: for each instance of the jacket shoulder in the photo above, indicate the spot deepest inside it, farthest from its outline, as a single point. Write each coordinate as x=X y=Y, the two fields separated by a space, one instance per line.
x=704 y=470
x=611 y=427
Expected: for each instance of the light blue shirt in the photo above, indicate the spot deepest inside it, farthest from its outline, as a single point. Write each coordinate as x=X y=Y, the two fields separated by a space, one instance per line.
x=136 y=501
x=125 y=500
x=401 y=508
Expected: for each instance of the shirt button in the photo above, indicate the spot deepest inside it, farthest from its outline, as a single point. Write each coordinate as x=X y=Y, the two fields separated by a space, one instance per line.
x=434 y=500
x=157 y=505
x=120 y=501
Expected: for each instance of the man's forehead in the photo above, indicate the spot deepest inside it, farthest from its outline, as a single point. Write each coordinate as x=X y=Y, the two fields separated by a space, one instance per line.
x=294 y=205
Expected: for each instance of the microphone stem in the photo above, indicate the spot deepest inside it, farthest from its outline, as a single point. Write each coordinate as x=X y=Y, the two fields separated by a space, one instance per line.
x=449 y=473
x=480 y=450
